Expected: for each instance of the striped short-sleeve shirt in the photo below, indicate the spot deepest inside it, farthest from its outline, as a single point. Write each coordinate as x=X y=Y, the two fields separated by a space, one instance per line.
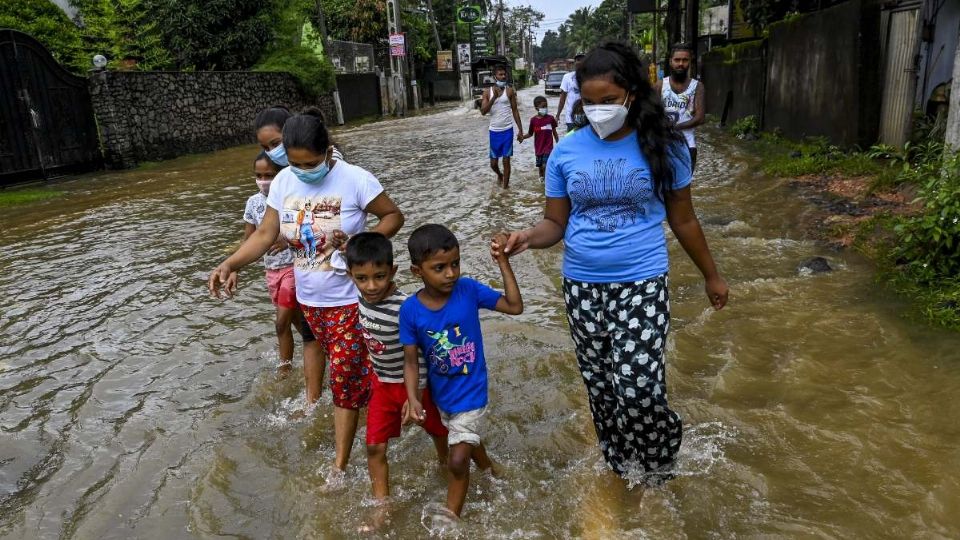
x=381 y=330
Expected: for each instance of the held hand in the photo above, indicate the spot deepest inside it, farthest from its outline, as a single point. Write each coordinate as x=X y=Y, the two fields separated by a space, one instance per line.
x=219 y=278
x=415 y=412
x=278 y=246
x=717 y=292
x=517 y=242
x=339 y=240
x=520 y=137
x=497 y=244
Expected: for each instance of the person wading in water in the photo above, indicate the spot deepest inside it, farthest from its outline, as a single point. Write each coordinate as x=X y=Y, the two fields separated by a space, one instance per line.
x=683 y=97
x=500 y=101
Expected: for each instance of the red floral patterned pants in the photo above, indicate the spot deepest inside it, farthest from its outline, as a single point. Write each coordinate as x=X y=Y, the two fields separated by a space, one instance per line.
x=338 y=331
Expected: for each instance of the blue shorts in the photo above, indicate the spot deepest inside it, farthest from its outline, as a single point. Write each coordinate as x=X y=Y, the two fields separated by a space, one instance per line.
x=501 y=144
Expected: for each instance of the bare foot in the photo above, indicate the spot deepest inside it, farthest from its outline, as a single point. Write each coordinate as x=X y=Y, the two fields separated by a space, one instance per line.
x=499 y=179
x=335 y=481
x=379 y=516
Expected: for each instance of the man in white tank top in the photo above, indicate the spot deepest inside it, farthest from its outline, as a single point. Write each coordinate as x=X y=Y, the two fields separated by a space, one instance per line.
x=500 y=101
x=683 y=98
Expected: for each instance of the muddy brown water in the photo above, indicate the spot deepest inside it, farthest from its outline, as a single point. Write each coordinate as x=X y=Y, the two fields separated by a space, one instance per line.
x=132 y=405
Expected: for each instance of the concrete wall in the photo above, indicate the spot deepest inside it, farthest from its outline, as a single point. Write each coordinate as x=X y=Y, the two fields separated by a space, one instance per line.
x=359 y=95
x=733 y=79
x=815 y=75
x=823 y=75
x=152 y=115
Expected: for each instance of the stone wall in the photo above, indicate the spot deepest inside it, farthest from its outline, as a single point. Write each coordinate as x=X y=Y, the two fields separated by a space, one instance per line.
x=149 y=116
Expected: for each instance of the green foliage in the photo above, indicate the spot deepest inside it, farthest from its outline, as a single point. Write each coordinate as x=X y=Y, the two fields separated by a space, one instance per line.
x=14 y=197
x=50 y=26
x=929 y=243
x=314 y=75
x=123 y=31
x=363 y=21
x=748 y=125
x=216 y=34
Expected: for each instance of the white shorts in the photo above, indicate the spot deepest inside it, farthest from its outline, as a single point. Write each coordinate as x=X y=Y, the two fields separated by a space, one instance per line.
x=464 y=427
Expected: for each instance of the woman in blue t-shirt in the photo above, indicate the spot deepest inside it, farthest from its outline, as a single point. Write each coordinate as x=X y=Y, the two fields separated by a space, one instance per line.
x=609 y=188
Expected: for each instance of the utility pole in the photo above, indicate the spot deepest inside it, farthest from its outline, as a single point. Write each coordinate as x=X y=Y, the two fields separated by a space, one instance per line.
x=396 y=62
x=503 y=43
x=322 y=20
x=693 y=31
x=433 y=22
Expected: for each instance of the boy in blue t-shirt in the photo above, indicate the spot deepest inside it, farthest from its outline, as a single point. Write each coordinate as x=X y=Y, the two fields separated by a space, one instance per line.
x=443 y=321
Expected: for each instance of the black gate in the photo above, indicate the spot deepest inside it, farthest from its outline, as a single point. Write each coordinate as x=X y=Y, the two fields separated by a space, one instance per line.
x=47 y=125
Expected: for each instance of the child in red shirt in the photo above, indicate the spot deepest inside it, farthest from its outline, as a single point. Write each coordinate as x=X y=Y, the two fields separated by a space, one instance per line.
x=543 y=129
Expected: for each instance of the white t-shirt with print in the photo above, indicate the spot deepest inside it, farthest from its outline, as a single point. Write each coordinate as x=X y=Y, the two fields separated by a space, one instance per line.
x=253 y=214
x=308 y=216
x=569 y=85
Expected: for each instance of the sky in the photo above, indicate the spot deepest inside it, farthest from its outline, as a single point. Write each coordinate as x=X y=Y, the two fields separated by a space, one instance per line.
x=555 y=11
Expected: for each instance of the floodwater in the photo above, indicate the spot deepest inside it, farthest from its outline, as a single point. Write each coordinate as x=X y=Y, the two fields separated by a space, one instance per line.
x=133 y=405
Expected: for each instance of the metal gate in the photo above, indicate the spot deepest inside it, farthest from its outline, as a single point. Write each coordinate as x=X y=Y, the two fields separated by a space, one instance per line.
x=47 y=125
x=900 y=46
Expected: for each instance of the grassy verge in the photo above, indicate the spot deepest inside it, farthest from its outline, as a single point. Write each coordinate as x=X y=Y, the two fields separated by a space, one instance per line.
x=15 y=197
x=906 y=211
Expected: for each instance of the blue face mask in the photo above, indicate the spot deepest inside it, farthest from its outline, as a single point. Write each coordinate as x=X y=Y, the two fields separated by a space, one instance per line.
x=314 y=175
x=278 y=155
x=502 y=84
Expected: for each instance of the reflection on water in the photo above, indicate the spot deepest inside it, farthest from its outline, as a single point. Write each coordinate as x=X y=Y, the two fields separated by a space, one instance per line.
x=131 y=405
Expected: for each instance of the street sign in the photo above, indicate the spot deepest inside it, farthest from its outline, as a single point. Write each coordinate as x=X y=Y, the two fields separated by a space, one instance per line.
x=397 y=45
x=469 y=14
x=463 y=56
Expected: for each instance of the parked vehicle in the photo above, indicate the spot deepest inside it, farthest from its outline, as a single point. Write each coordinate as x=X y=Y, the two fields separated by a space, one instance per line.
x=552 y=84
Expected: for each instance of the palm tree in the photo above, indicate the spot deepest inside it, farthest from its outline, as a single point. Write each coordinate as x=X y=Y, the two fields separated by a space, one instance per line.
x=582 y=35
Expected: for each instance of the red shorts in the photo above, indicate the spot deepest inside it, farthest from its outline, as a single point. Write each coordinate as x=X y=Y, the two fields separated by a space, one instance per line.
x=384 y=414
x=282 y=287
x=338 y=331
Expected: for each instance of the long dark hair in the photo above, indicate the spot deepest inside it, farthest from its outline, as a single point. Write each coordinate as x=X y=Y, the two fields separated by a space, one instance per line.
x=307 y=130
x=273 y=116
x=659 y=141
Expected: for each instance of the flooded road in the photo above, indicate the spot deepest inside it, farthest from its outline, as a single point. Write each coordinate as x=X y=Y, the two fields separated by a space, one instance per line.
x=132 y=405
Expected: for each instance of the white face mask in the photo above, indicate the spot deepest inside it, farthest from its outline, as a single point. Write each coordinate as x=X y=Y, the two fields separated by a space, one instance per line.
x=607 y=119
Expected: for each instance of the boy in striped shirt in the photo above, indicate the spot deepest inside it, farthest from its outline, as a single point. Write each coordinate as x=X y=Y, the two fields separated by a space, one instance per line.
x=370 y=263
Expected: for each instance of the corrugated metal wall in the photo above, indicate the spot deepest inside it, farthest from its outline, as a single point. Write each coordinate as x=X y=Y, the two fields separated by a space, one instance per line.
x=899 y=76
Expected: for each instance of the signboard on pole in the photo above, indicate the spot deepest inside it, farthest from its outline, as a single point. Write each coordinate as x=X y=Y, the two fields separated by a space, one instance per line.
x=463 y=56
x=519 y=63
x=397 y=45
x=469 y=14
x=444 y=60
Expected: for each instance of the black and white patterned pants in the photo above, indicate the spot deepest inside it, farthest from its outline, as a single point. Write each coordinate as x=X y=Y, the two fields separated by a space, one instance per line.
x=620 y=331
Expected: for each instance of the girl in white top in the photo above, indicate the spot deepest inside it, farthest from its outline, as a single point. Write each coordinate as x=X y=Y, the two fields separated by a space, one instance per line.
x=341 y=196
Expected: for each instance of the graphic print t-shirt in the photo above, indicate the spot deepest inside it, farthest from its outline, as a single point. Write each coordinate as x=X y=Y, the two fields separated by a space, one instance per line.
x=543 y=127
x=615 y=231
x=451 y=344
x=381 y=331
x=309 y=213
x=253 y=214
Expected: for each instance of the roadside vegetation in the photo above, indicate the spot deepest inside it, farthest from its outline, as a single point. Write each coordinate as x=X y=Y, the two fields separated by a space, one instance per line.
x=18 y=196
x=912 y=229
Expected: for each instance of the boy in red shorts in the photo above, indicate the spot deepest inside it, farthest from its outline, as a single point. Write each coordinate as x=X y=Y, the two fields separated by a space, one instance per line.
x=370 y=263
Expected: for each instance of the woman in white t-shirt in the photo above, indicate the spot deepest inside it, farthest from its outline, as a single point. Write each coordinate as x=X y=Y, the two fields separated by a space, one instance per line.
x=340 y=196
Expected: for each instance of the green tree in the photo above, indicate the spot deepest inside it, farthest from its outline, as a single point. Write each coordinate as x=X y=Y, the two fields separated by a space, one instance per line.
x=122 y=30
x=219 y=34
x=551 y=48
x=50 y=26
x=363 y=21
x=583 y=36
